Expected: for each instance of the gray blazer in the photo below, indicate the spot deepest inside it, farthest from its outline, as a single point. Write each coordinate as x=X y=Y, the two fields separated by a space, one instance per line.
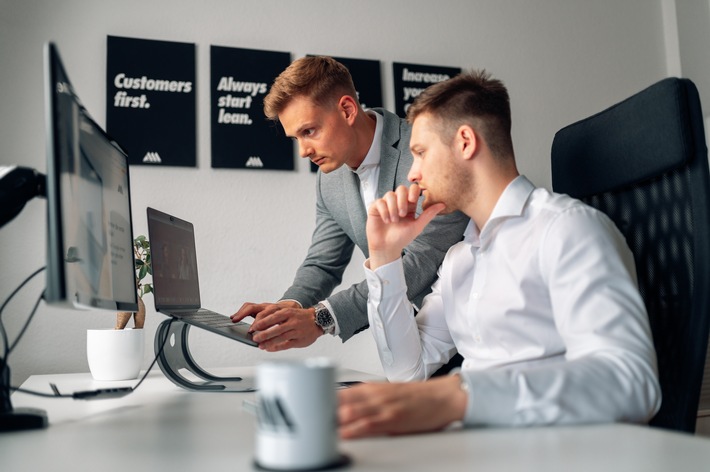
x=340 y=226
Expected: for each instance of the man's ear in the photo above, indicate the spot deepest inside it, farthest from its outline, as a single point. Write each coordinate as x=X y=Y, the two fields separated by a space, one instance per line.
x=466 y=141
x=348 y=107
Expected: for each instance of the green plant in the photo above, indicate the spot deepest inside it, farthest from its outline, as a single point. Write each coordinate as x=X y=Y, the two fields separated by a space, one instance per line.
x=143 y=266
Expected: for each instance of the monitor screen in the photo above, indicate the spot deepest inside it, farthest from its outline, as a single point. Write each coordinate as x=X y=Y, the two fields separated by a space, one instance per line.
x=90 y=261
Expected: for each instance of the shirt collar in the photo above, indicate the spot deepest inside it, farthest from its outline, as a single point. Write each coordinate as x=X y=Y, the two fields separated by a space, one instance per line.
x=511 y=203
x=513 y=199
x=372 y=158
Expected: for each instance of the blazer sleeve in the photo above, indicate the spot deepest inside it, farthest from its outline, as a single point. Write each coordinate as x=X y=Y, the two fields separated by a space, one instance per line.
x=328 y=256
x=425 y=254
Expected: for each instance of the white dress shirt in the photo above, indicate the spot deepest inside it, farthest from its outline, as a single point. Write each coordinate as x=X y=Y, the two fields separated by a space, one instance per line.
x=369 y=175
x=369 y=171
x=544 y=308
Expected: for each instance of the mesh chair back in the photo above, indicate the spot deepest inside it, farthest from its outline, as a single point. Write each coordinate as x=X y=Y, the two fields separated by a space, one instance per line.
x=644 y=163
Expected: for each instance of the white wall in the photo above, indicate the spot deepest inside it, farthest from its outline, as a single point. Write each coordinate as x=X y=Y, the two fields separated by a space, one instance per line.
x=561 y=60
x=693 y=37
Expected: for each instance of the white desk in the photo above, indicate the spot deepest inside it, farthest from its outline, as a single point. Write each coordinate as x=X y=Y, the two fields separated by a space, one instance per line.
x=162 y=427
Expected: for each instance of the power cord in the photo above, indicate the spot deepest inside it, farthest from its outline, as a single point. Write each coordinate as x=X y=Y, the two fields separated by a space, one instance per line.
x=8 y=347
x=102 y=393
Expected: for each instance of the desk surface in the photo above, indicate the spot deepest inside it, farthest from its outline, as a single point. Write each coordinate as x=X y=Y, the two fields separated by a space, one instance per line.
x=161 y=426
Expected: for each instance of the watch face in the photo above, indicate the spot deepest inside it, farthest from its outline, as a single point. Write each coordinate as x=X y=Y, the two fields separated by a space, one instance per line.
x=323 y=318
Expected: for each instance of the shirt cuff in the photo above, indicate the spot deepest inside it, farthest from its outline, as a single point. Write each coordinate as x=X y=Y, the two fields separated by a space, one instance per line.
x=336 y=327
x=385 y=281
x=469 y=418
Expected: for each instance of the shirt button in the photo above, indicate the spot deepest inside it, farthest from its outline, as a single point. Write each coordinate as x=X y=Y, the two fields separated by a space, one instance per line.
x=477 y=338
x=476 y=296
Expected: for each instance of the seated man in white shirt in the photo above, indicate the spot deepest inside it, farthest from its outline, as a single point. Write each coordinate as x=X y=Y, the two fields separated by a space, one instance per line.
x=540 y=297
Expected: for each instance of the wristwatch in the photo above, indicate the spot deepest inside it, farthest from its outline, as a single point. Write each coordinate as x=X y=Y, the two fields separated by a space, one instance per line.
x=324 y=319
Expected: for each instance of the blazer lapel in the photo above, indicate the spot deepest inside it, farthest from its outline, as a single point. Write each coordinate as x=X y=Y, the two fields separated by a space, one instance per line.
x=389 y=163
x=390 y=154
x=356 y=209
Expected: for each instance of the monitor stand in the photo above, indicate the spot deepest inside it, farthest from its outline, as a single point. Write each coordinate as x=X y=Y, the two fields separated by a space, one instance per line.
x=16 y=419
x=173 y=352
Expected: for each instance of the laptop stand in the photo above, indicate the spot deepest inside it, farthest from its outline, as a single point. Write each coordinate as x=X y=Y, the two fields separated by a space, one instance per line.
x=173 y=353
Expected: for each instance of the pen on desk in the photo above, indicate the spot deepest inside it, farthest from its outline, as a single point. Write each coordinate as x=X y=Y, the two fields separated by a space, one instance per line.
x=348 y=383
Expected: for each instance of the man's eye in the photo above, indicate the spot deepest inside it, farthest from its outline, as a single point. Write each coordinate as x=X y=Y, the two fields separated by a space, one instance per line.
x=308 y=132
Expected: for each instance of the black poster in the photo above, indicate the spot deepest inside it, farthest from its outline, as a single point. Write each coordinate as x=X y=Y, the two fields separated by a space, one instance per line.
x=411 y=79
x=242 y=137
x=150 y=100
x=367 y=79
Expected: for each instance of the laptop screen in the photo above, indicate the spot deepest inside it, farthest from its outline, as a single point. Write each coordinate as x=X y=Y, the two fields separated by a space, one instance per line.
x=172 y=246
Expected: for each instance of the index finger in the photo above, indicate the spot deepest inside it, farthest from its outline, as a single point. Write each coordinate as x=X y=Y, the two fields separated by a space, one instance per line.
x=414 y=192
x=247 y=309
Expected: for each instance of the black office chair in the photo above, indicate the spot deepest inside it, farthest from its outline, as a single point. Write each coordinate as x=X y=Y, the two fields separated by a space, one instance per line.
x=644 y=162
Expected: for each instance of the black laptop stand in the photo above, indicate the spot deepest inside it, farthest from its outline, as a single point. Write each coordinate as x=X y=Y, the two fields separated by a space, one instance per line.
x=173 y=353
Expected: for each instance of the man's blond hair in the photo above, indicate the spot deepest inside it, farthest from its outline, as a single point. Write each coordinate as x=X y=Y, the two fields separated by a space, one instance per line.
x=321 y=79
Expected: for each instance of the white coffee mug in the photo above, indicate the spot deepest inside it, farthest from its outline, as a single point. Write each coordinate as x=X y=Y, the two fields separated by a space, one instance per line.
x=115 y=354
x=296 y=414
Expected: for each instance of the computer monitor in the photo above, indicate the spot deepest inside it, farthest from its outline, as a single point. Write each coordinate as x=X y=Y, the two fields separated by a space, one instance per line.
x=90 y=262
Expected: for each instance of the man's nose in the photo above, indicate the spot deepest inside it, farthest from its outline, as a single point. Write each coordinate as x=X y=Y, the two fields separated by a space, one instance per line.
x=414 y=175
x=304 y=150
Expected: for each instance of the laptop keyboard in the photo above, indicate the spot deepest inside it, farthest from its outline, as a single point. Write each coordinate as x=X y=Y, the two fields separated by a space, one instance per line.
x=210 y=318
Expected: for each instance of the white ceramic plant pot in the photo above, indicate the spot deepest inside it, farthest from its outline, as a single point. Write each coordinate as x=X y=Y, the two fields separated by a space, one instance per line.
x=115 y=354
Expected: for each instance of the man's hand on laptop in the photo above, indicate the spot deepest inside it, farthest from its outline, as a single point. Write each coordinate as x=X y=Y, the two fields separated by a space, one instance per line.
x=280 y=326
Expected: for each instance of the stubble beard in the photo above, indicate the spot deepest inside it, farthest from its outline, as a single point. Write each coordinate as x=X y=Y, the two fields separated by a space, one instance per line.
x=459 y=186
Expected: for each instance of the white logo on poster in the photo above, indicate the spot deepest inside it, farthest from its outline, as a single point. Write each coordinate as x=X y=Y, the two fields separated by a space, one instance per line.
x=254 y=161
x=152 y=158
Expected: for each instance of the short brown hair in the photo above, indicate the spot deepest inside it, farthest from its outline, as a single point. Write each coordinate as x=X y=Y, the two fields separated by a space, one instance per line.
x=472 y=98
x=319 y=78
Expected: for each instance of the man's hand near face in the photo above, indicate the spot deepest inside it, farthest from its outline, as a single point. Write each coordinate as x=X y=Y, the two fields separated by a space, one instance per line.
x=392 y=223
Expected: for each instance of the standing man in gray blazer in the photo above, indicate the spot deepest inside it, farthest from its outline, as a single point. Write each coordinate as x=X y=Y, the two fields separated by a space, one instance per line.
x=361 y=156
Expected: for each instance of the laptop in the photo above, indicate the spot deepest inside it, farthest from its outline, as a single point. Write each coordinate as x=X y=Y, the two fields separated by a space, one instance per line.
x=176 y=289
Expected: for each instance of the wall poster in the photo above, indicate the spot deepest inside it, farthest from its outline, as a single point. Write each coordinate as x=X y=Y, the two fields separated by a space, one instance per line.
x=151 y=100
x=242 y=137
x=411 y=79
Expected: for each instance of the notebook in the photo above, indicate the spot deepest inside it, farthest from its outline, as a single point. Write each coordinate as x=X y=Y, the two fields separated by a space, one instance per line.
x=176 y=289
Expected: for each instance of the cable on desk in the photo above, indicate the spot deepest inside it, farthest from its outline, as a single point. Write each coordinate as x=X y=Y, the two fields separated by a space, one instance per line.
x=101 y=393
x=160 y=352
x=6 y=342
